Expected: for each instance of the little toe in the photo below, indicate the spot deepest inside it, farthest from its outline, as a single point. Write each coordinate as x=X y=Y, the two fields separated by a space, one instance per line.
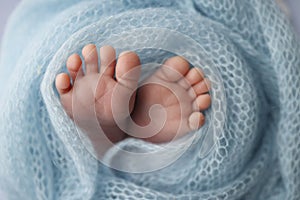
x=74 y=65
x=90 y=55
x=128 y=69
x=202 y=102
x=196 y=120
x=62 y=83
x=107 y=60
x=174 y=69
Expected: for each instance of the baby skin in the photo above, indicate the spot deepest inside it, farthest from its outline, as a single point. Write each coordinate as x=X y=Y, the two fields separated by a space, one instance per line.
x=167 y=105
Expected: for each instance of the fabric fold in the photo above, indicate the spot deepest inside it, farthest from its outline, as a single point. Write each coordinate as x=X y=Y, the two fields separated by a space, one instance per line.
x=249 y=147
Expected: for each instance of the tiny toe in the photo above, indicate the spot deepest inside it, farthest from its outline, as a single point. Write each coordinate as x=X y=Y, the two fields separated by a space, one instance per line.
x=196 y=120
x=202 y=102
x=74 y=65
x=194 y=76
x=174 y=69
x=62 y=83
x=107 y=60
x=201 y=87
x=128 y=69
x=90 y=55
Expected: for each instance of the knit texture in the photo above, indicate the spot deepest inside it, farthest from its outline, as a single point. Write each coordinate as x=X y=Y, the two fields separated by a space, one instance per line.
x=249 y=147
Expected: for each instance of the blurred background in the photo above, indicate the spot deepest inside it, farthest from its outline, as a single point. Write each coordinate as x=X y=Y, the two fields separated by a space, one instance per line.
x=292 y=7
x=6 y=7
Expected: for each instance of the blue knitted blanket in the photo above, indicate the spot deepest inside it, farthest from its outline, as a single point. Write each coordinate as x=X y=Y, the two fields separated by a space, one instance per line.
x=248 y=149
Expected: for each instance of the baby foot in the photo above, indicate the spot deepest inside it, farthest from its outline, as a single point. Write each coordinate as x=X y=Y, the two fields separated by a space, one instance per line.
x=181 y=91
x=88 y=100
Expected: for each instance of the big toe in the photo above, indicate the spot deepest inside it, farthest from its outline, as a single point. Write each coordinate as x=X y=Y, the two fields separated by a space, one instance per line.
x=128 y=69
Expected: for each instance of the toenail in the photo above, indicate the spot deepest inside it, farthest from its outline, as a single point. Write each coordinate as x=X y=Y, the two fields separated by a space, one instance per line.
x=124 y=52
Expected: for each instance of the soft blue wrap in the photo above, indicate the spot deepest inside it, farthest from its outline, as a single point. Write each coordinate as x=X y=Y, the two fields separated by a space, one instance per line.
x=246 y=47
